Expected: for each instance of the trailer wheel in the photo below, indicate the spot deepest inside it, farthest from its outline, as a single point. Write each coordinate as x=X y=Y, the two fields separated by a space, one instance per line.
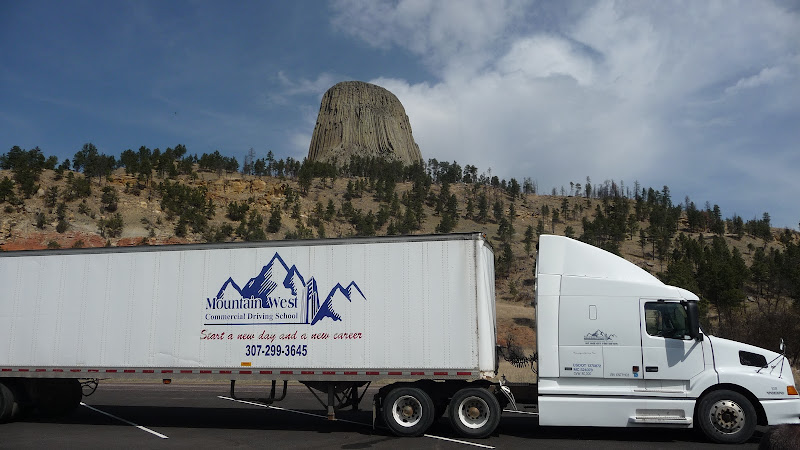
x=474 y=412
x=408 y=411
x=9 y=408
x=57 y=397
x=727 y=417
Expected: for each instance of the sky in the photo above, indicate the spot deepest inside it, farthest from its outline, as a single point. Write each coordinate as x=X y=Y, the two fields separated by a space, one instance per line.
x=701 y=96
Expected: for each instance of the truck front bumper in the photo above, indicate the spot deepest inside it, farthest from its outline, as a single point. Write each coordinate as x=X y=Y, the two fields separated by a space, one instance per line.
x=782 y=411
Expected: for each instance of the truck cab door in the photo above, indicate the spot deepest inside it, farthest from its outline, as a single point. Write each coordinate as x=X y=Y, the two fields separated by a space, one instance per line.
x=669 y=354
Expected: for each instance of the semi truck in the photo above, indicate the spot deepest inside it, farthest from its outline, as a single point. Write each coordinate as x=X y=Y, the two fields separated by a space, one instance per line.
x=415 y=314
x=619 y=348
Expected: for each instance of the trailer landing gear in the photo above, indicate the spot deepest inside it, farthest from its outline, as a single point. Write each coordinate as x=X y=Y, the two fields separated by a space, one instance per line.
x=339 y=395
x=265 y=400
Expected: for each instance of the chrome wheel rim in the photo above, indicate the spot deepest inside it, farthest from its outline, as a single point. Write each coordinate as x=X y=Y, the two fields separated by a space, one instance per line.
x=407 y=411
x=473 y=412
x=727 y=416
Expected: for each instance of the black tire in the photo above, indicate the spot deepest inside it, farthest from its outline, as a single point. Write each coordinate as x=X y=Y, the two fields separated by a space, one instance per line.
x=726 y=417
x=8 y=404
x=474 y=412
x=56 y=397
x=408 y=411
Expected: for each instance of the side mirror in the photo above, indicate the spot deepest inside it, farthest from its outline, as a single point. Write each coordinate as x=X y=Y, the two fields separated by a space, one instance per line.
x=694 y=320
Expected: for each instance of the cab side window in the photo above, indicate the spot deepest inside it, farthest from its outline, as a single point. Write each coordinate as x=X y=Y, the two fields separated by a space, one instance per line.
x=668 y=320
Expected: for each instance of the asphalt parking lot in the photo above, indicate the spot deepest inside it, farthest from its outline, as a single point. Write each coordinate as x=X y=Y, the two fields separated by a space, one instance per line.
x=204 y=416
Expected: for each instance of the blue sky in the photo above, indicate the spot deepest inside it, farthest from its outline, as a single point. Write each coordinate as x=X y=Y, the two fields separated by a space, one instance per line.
x=701 y=96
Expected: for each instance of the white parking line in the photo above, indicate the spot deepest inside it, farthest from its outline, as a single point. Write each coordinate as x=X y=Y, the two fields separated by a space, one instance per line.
x=456 y=441
x=126 y=421
x=348 y=421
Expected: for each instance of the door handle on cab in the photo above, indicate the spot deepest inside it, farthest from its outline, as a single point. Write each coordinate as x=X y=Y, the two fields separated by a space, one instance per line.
x=651 y=368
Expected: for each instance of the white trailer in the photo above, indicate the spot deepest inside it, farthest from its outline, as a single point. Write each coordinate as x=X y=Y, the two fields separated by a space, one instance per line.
x=334 y=314
x=619 y=348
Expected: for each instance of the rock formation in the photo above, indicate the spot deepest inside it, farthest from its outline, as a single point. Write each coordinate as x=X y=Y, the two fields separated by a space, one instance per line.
x=357 y=118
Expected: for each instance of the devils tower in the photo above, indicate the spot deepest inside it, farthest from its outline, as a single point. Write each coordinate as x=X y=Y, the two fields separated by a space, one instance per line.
x=357 y=118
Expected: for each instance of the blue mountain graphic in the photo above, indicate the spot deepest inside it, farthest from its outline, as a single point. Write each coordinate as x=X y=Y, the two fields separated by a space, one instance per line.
x=292 y=279
x=225 y=291
x=277 y=280
x=328 y=307
x=264 y=283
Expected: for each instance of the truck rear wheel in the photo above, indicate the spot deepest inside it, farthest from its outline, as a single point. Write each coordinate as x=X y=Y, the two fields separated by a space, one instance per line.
x=727 y=417
x=56 y=397
x=8 y=404
x=408 y=411
x=474 y=412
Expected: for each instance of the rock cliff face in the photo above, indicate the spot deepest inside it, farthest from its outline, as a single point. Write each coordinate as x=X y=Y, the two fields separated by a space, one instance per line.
x=357 y=118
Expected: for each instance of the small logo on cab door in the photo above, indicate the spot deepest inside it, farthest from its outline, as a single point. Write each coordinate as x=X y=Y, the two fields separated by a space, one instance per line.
x=599 y=337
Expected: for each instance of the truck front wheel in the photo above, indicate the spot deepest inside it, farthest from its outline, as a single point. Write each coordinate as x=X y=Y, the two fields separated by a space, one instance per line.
x=474 y=412
x=408 y=411
x=727 y=417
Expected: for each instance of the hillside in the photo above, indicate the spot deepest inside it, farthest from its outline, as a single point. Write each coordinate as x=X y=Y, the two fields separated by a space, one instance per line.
x=122 y=209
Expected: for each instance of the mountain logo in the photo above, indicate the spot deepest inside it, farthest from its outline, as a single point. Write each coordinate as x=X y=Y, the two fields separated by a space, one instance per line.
x=279 y=294
x=598 y=336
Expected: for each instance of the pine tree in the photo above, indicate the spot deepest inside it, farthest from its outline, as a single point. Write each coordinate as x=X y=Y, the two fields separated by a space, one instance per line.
x=274 y=224
x=505 y=230
x=109 y=199
x=642 y=240
x=6 y=190
x=26 y=167
x=497 y=210
x=330 y=211
x=504 y=260
x=470 y=211
x=483 y=208
x=252 y=229
x=237 y=212
x=528 y=239
x=555 y=219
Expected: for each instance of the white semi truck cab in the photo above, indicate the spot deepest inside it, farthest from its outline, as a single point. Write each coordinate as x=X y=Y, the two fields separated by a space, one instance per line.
x=619 y=348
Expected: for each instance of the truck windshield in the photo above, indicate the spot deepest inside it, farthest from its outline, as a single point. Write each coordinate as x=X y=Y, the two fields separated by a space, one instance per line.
x=667 y=320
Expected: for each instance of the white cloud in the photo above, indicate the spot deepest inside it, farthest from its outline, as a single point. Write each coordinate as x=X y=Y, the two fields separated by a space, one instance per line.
x=766 y=76
x=448 y=35
x=290 y=87
x=520 y=127
x=623 y=90
x=546 y=56
x=299 y=143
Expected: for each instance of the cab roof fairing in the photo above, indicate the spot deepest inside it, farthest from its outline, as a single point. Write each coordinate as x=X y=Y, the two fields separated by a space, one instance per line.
x=560 y=255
